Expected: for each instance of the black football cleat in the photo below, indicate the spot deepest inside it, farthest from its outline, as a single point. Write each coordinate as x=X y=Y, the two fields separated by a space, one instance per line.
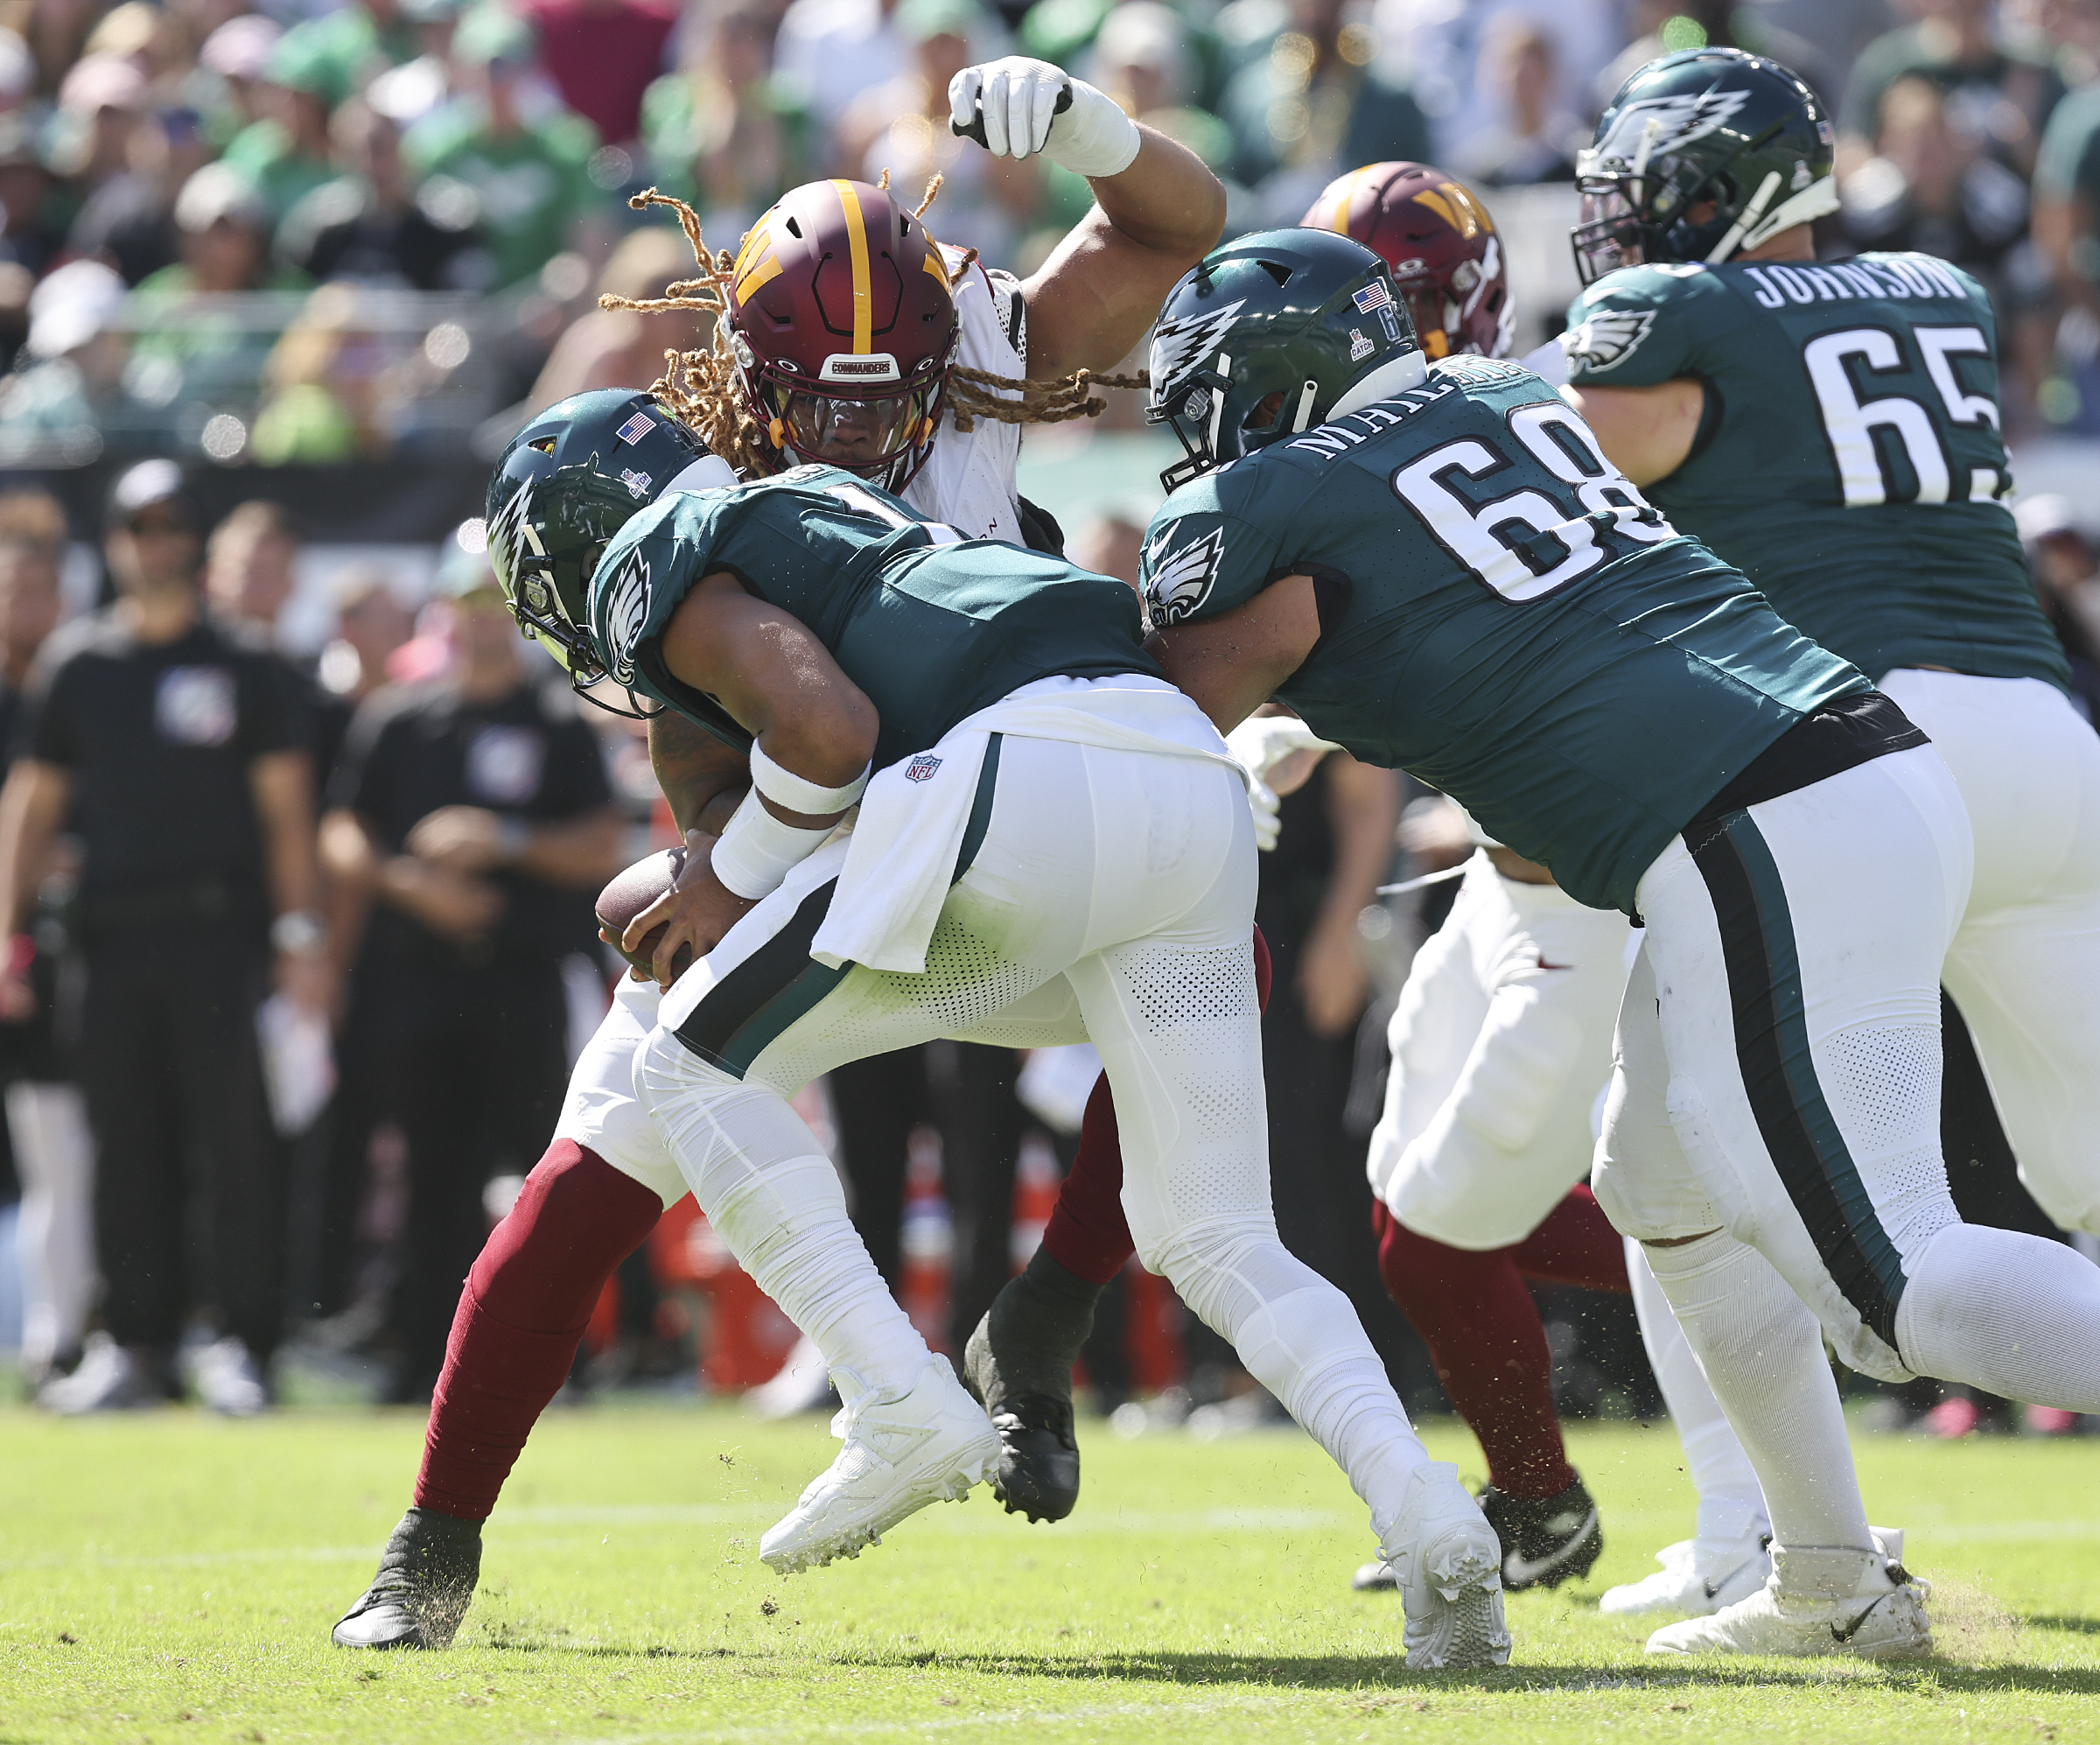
x=426 y=1583
x=1546 y=1540
x=1018 y=1364
x=1038 y=1473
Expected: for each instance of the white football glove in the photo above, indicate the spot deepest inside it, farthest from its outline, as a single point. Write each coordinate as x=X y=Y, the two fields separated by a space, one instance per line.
x=1093 y=137
x=1259 y=744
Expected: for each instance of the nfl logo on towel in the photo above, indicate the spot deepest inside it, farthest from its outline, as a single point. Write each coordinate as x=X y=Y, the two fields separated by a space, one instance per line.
x=922 y=767
x=1372 y=297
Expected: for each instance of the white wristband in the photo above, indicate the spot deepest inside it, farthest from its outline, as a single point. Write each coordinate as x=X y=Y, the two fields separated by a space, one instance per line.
x=1094 y=137
x=794 y=793
x=756 y=851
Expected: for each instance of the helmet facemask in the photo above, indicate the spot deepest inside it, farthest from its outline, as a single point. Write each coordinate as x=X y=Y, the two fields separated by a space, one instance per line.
x=882 y=431
x=525 y=572
x=1712 y=125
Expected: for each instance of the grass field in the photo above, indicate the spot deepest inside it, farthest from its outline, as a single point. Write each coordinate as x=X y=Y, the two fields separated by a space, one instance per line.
x=173 y=1578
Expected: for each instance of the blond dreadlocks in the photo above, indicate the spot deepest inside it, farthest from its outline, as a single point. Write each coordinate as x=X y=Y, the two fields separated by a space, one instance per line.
x=703 y=390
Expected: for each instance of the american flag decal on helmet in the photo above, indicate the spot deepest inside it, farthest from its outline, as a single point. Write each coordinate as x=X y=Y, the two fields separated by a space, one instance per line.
x=636 y=428
x=1373 y=297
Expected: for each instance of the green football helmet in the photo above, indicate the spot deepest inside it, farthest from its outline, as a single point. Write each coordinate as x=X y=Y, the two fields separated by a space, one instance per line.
x=1271 y=336
x=1707 y=124
x=569 y=481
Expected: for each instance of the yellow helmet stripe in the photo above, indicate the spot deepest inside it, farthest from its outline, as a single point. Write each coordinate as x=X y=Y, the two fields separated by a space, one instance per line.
x=864 y=298
x=1349 y=199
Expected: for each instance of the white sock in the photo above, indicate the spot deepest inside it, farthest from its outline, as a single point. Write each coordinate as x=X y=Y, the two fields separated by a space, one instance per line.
x=1298 y=1337
x=2013 y=1314
x=772 y=1196
x=1761 y=1349
x=1730 y=1505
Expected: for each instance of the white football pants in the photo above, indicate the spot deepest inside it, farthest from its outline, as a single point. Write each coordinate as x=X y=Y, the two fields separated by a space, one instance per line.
x=2025 y=964
x=1778 y=1080
x=1501 y=1039
x=1501 y=1045
x=1111 y=901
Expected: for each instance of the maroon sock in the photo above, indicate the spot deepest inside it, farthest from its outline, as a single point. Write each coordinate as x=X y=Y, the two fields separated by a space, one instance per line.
x=1576 y=1244
x=1489 y=1347
x=520 y=1321
x=1087 y=1233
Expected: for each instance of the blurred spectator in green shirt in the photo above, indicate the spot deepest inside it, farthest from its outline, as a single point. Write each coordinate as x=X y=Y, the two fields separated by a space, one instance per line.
x=529 y=174
x=1313 y=105
x=723 y=132
x=285 y=154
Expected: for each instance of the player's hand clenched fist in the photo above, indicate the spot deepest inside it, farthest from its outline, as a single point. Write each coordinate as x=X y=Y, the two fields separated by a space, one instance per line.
x=1019 y=99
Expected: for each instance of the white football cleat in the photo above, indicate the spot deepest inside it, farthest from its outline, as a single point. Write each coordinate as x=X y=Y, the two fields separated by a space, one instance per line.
x=927 y=1446
x=1447 y=1564
x=225 y=1379
x=1881 y=1618
x=1698 y=1578
x=108 y=1379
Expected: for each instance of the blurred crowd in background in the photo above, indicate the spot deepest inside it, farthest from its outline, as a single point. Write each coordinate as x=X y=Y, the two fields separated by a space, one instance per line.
x=297 y=234
x=276 y=285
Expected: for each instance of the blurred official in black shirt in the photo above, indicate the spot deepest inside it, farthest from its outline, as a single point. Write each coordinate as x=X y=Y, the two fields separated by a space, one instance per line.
x=476 y=810
x=179 y=753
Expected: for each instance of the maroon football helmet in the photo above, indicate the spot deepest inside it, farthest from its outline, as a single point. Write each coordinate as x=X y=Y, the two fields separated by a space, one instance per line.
x=1437 y=237
x=843 y=327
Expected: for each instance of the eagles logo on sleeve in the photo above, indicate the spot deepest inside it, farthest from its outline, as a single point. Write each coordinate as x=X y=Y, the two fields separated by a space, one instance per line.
x=624 y=613
x=1606 y=338
x=1180 y=581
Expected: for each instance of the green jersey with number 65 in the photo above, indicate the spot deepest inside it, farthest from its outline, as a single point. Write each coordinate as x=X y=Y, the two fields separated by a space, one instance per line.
x=931 y=626
x=1849 y=461
x=1503 y=614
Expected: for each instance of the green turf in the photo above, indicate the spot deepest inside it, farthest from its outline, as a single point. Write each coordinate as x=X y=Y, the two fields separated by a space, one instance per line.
x=173 y=1578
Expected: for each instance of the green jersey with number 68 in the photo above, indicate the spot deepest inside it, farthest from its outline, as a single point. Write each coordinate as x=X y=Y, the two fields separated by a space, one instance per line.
x=1848 y=462
x=1503 y=614
x=931 y=626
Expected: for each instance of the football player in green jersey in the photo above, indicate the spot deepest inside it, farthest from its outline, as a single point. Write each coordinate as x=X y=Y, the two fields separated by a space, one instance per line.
x=1832 y=428
x=1052 y=846
x=1438 y=569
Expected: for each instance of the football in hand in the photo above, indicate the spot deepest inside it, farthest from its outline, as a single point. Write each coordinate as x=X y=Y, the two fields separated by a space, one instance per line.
x=632 y=891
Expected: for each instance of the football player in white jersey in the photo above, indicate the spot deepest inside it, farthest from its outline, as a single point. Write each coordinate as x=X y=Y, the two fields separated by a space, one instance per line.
x=847 y=336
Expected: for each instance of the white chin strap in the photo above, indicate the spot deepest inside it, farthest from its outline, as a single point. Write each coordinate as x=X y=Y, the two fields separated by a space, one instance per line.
x=1410 y=369
x=1817 y=200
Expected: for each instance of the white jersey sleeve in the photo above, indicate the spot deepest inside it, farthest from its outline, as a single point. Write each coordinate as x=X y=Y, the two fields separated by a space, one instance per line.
x=968 y=481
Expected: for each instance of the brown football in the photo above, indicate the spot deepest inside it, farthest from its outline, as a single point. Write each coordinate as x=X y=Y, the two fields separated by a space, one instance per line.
x=632 y=891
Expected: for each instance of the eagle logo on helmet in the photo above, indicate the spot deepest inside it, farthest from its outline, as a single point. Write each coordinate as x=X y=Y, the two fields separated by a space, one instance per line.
x=1607 y=337
x=625 y=611
x=1178 y=346
x=1678 y=120
x=1179 y=583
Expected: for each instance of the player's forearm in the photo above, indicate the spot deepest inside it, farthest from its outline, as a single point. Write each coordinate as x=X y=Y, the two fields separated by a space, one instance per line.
x=1103 y=285
x=701 y=778
x=1168 y=201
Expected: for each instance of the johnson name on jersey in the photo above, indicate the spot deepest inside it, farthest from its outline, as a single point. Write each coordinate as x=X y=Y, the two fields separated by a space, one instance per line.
x=1503 y=615
x=1849 y=461
x=931 y=626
